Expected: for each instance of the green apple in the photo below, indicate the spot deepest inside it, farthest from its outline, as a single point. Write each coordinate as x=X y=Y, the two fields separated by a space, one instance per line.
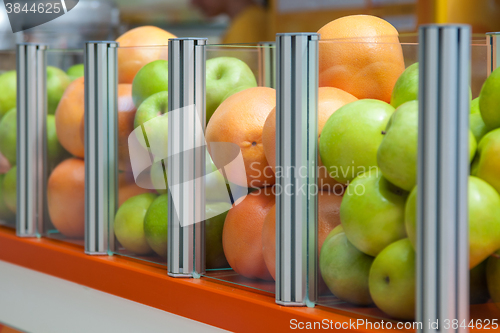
x=478 y=289
x=154 y=106
x=8 y=136
x=345 y=269
x=474 y=106
x=372 y=212
x=156 y=225
x=477 y=126
x=8 y=87
x=150 y=79
x=225 y=74
x=129 y=223
x=486 y=165
x=493 y=278
x=397 y=154
x=10 y=189
x=484 y=220
x=214 y=252
x=75 y=71
x=489 y=100
x=406 y=87
x=350 y=138
x=5 y=213
x=392 y=280
x=57 y=82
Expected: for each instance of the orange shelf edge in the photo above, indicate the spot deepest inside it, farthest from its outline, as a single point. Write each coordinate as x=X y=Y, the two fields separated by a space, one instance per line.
x=203 y=300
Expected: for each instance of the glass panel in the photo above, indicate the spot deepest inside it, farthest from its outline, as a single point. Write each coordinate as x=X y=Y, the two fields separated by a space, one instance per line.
x=139 y=230
x=237 y=110
x=8 y=138
x=65 y=147
x=368 y=118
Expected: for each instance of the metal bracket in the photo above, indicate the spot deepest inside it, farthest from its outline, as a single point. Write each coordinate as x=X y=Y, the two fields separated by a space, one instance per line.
x=267 y=64
x=494 y=41
x=101 y=144
x=443 y=171
x=31 y=139
x=296 y=154
x=186 y=161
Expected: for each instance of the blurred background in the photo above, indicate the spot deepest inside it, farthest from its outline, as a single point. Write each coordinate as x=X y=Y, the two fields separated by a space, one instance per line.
x=241 y=21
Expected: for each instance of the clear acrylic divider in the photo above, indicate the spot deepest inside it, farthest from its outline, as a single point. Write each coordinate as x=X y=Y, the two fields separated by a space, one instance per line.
x=8 y=135
x=139 y=229
x=64 y=216
x=367 y=175
x=239 y=192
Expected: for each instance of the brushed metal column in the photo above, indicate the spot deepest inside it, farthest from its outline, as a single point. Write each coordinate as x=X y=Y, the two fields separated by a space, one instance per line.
x=267 y=64
x=296 y=154
x=186 y=161
x=494 y=40
x=101 y=145
x=31 y=139
x=443 y=171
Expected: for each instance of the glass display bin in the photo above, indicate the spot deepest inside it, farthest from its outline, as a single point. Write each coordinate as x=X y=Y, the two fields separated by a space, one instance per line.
x=8 y=138
x=64 y=147
x=139 y=228
x=240 y=98
x=368 y=130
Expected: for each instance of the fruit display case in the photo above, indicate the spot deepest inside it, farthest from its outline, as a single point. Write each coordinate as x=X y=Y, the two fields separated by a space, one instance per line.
x=364 y=199
x=138 y=229
x=64 y=140
x=240 y=95
x=8 y=138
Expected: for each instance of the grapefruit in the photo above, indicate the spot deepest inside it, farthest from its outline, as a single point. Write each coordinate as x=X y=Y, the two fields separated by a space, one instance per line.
x=69 y=116
x=328 y=219
x=360 y=54
x=239 y=120
x=139 y=47
x=66 y=198
x=242 y=235
x=329 y=100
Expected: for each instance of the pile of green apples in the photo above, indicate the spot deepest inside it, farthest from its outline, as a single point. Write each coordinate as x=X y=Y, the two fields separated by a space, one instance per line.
x=371 y=146
x=141 y=222
x=57 y=82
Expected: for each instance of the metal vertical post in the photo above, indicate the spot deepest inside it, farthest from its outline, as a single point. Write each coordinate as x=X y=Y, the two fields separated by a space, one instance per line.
x=186 y=161
x=267 y=64
x=296 y=155
x=443 y=170
x=494 y=40
x=31 y=139
x=101 y=145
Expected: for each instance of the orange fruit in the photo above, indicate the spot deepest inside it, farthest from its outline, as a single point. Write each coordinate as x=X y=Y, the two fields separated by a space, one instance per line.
x=329 y=100
x=364 y=56
x=66 y=197
x=69 y=116
x=328 y=218
x=126 y=115
x=136 y=50
x=242 y=235
x=240 y=120
x=127 y=188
